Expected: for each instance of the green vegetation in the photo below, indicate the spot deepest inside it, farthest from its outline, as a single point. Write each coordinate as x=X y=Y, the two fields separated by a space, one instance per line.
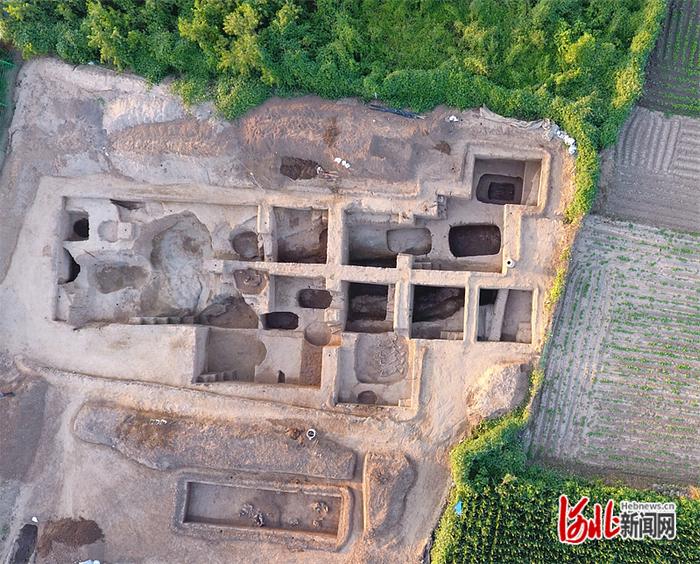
x=636 y=345
x=673 y=82
x=509 y=509
x=579 y=63
x=5 y=66
x=556 y=291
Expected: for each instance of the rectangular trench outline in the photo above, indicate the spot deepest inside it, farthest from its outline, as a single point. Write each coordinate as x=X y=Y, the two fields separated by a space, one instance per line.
x=301 y=539
x=492 y=151
x=498 y=284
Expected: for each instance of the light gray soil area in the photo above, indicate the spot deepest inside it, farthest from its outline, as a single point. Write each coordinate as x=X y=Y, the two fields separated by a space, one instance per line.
x=622 y=387
x=652 y=174
x=256 y=340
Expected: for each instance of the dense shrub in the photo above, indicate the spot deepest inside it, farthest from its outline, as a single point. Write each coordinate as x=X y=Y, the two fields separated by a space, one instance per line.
x=578 y=62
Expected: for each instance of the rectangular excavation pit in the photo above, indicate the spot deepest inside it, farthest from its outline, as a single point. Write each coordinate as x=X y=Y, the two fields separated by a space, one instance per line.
x=301 y=235
x=374 y=370
x=505 y=315
x=438 y=313
x=231 y=356
x=377 y=239
x=369 y=308
x=507 y=181
x=260 y=357
x=466 y=236
x=316 y=515
x=306 y=297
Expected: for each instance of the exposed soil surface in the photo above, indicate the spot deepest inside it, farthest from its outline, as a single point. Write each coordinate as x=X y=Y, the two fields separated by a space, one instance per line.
x=161 y=241
x=624 y=363
x=651 y=176
x=70 y=532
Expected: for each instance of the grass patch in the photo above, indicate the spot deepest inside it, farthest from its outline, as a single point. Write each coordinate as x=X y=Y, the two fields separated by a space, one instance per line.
x=5 y=66
x=558 y=286
x=578 y=63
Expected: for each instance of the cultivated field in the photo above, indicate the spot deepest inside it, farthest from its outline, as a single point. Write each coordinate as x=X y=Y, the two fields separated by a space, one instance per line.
x=673 y=73
x=622 y=385
x=655 y=172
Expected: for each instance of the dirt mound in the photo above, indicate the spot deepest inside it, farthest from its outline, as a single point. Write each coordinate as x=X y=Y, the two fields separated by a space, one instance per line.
x=387 y=479
x=71 y=532
x=296 y=169
x=501 y=389
x=164 y=442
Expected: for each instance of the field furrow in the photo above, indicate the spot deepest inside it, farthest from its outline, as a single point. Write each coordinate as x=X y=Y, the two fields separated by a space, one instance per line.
x=622 y=373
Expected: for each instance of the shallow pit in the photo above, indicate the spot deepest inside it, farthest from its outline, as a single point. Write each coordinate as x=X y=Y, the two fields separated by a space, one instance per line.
x=246 y=244
x=232 y=355
x=267 y=508
x=301 y=235
x=367 y=397
x=299 y=169
x=409 y=240
x=118 y=276
x=314 y=299
x=320 y=334
x=250 y=281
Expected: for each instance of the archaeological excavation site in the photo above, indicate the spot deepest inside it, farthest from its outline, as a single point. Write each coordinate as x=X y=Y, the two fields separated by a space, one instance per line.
x=258 y=340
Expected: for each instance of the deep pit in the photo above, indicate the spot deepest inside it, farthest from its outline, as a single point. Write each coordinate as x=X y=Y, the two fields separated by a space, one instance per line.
x=286 y=320
x=474 y=240
x=81 y=229
x=70 y=269
x=367 y=308
x=438 y=312
x=507 y=181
